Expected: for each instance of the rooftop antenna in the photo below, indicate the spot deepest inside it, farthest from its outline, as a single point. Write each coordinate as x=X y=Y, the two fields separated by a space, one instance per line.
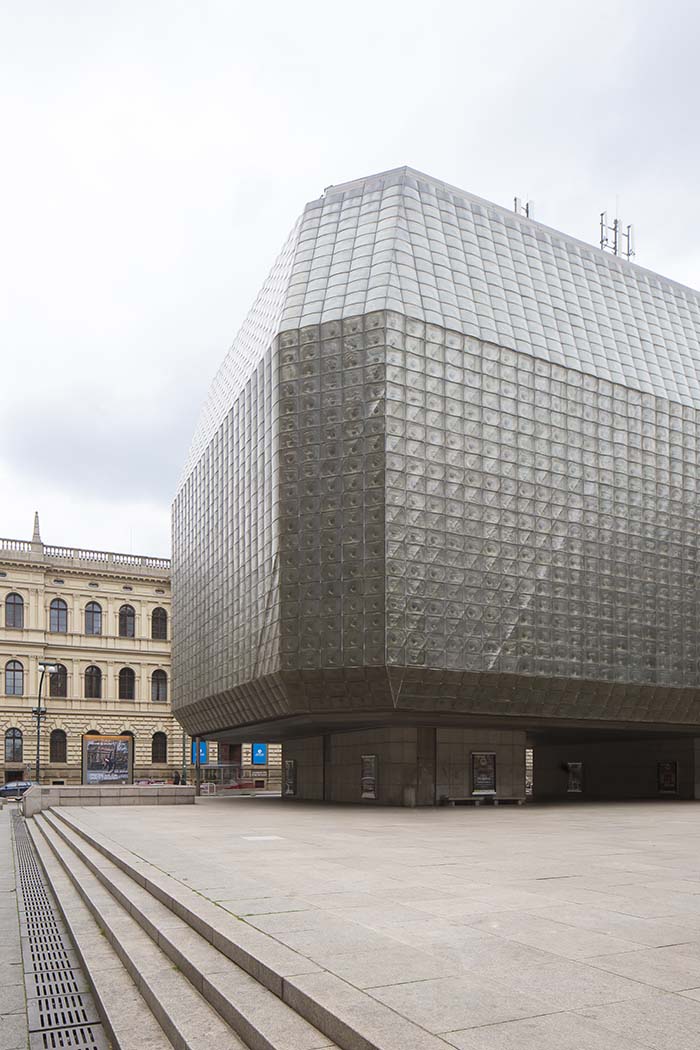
x=526 y=209
x=615 y=238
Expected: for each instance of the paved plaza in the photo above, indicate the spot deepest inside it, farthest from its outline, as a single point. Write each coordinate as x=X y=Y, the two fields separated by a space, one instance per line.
x=573 y=927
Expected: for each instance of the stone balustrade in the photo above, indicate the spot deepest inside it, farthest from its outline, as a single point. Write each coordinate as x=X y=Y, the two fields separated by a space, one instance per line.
x=78 y=556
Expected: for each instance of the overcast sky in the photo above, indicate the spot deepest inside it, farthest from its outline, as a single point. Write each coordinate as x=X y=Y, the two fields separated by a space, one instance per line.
x=155 y=155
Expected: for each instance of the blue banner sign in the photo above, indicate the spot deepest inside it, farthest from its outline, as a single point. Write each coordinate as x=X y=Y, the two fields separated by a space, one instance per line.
x=203 y=752
x=259 y=754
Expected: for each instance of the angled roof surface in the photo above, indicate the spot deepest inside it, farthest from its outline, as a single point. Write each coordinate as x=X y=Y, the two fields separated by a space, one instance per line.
x=403 y=241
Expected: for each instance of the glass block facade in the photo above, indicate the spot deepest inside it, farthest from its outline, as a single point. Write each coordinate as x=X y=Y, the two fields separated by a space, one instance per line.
x=448 y=468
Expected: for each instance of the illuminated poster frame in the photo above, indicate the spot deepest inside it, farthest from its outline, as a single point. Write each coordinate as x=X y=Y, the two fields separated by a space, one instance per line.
x=368 y=776
x=290 y=778
x=667 y=777
x=107 y=760
x=574 y=784
x=483 y=773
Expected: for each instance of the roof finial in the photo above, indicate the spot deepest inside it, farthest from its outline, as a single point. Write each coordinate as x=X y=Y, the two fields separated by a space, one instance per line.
x=36 y=538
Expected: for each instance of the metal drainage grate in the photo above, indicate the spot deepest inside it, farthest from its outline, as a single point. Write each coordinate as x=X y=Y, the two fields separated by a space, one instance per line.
x=62 y=1013
x=85 y=1037
x=39 y=983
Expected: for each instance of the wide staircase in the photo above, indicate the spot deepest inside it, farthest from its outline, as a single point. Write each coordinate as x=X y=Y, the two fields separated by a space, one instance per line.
x=171 y=969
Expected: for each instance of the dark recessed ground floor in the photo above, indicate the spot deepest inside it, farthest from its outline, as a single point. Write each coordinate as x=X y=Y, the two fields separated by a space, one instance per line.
x=423 y=765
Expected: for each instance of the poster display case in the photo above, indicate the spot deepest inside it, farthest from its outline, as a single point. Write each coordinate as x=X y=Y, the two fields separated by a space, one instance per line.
x=107 y=760
x=667 y=777
x=483 y=773
x=368 y=777
x=289 y=788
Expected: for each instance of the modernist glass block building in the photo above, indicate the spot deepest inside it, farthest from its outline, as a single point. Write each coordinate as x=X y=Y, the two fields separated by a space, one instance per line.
x=442 y=502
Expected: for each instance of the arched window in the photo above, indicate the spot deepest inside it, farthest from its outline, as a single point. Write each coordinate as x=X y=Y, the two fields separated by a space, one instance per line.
x=14 y=611
x=159 y=748
x=13 y=745
x=127 y=684
x=127 y=622
x=58 y=616
x=159 y=686
x=58 y=746
x=58 y=682
x=14 y=678
x=93 y=618
x=93 y=683
x=159 y=624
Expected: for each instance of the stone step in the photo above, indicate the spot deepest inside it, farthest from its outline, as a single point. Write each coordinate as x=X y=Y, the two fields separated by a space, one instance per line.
x=348 y=1016
x=125 y=1014
x=189 y=1022
x=255 y=952
x=258 y=1016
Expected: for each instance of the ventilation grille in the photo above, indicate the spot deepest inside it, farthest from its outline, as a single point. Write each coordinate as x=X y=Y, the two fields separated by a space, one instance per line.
x=62 y=1013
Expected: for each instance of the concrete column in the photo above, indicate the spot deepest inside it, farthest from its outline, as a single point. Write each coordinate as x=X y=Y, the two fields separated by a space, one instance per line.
x=426 y=762
x=696 y=767
x=326 y=762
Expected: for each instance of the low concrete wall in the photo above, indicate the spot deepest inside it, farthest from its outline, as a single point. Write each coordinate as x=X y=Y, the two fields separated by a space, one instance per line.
x=43 y=797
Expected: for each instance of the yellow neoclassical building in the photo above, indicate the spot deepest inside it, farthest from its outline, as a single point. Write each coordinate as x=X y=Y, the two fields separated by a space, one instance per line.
x=104 y=620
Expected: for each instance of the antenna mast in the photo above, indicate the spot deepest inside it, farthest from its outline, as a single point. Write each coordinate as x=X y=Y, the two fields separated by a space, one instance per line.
x=616 y=239
x=525 y=209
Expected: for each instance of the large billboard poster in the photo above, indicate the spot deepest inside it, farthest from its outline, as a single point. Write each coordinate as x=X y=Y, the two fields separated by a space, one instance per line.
x=107 y=760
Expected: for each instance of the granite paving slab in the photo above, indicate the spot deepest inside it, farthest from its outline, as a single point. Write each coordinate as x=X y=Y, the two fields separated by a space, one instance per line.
x=662 y=1022
x=672 y=969
x=563 y=1031
x=449 y=1003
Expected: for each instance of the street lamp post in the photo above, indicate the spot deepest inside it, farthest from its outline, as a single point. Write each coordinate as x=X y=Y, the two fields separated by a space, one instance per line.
x=39 y=711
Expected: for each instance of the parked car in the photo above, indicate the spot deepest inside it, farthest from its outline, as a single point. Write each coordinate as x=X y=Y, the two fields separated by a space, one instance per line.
x=15 y=788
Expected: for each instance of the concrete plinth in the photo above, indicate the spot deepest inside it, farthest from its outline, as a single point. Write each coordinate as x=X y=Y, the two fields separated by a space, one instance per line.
x=44 y=797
